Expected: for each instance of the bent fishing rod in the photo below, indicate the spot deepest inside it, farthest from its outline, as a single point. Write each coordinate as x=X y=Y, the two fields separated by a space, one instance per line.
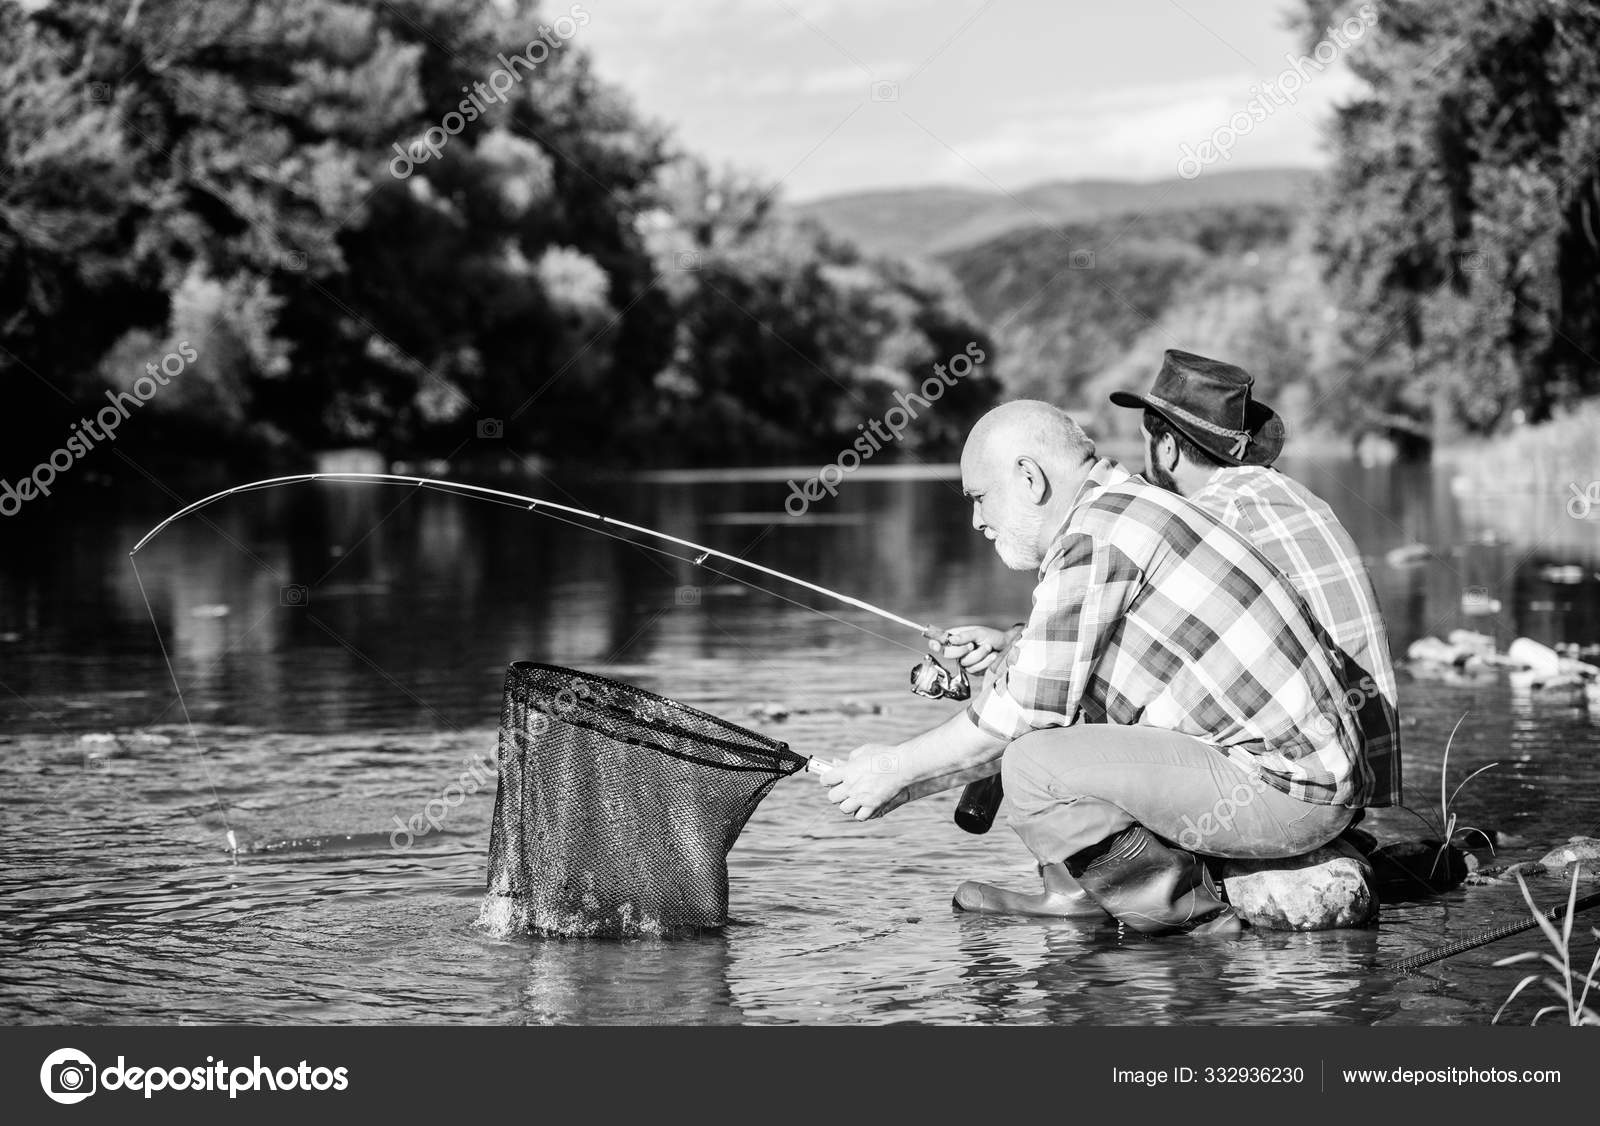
x=533 y=504
x=929 y=678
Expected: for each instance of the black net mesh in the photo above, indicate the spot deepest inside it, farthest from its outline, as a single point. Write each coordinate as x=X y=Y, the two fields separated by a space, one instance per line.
x=616 y=807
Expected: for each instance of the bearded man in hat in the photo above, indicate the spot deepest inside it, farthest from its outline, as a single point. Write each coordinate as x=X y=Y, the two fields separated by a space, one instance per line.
x=1208 y=439
x=1169 y=696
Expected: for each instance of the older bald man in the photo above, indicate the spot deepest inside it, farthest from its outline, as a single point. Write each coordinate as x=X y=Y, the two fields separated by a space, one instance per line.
x=1169 y=685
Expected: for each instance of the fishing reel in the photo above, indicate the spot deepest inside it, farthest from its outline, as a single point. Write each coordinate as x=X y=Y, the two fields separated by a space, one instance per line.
x=933 y=680
x=980 y=801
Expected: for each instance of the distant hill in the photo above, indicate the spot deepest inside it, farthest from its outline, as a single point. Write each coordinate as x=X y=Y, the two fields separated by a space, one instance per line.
x=1079 y=308
x=927 y=222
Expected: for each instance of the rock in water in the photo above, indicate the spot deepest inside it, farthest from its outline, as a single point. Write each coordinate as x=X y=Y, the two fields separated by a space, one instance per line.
x=1577 y=850
x=1414 y=869
x=1439 y=652
x=1326 y=889
x=1408 y=555
x=1365 y=843
x=1470 y=641
x=1530 y=654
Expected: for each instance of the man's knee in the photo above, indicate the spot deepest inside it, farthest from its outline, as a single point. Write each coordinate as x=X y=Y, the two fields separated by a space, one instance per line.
x=1034 y=768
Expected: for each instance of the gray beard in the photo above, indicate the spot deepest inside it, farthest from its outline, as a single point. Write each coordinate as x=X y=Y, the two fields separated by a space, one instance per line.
x=1016 y=548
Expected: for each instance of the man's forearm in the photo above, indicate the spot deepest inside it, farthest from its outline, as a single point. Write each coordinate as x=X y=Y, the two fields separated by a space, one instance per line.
x=952 y=754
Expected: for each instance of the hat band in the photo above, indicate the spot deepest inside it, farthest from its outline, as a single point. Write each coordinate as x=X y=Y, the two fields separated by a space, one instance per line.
x=1239 y=438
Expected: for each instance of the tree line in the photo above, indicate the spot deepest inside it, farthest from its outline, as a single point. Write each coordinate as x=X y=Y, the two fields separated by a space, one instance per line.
x=1459 y=225
x=545 y=266
x=420 y=225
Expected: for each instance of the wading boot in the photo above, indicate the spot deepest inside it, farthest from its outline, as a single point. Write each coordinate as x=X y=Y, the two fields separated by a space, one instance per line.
x=1153 y=887
x=1062 y=898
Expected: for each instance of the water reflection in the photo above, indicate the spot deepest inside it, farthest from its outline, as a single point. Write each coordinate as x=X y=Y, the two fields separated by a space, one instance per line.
x=319 y=606
x=678 y=981
x=324 y=717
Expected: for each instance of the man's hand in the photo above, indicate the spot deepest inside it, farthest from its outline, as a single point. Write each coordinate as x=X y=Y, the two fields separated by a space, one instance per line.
x=979 y=647
x=868 y=784
x=878 y=777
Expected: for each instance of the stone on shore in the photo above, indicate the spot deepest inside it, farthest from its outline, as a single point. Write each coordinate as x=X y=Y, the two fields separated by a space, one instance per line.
x=1326 y=889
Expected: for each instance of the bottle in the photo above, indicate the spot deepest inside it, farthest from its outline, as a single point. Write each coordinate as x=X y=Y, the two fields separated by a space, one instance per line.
x=980 y=801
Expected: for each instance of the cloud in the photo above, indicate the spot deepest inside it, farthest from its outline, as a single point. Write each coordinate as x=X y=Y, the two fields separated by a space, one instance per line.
x=847 y=79
x=1138 y=131
x=784 y=88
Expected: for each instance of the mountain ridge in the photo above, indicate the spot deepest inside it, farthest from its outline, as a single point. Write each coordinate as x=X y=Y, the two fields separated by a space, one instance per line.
x=937 y=221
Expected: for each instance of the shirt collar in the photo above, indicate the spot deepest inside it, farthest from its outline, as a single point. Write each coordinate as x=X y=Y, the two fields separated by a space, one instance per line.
x=1103 y=474
x=1222 y=470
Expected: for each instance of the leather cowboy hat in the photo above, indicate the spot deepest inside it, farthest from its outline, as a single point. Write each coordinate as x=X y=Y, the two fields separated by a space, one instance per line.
x=1209 y=402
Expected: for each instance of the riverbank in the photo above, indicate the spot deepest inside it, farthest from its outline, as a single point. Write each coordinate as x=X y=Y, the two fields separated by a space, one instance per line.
x=1537 y=485
x=1559 y=456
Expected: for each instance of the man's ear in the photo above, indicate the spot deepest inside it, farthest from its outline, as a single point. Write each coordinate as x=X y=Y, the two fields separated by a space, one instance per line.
x=1031 y=476
x=1167 y=453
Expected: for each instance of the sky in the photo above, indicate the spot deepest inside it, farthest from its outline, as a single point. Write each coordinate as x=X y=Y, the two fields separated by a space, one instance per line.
x=835 y=96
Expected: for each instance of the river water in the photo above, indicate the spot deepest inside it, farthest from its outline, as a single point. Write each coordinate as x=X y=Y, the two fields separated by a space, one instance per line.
x=340 y=652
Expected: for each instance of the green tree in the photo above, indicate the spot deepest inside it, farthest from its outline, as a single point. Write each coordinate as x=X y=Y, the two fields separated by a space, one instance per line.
x=1459 y=226
x=786 y=339
x=377 y=226
x=235 y=158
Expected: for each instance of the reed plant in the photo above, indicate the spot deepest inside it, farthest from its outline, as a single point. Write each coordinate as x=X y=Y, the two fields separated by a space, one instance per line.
x=1571 y=989
x=1446 y=825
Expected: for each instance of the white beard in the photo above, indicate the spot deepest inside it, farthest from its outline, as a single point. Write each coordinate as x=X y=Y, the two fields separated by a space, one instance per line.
x=1018 y=546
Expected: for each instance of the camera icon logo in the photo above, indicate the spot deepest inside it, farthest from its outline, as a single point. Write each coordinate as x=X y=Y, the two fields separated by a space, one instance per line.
x=689 y=260
x=68 y=1076
x=1080 y=260
x=885 y=762
x=886 y=91
x=293 y=595
x=491 y=428
x=100 y=92
x=687 y=596
x=295 y=261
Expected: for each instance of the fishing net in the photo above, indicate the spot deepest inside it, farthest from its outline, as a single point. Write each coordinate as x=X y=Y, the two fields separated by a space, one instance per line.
x=617 y=808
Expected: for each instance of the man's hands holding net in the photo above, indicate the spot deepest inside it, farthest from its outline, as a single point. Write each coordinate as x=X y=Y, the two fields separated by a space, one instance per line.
x=877 y=778
x=869 y=783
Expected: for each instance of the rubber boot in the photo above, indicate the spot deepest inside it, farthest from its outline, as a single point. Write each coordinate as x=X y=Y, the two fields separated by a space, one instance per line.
x=1153 y=887
x=1062 y=898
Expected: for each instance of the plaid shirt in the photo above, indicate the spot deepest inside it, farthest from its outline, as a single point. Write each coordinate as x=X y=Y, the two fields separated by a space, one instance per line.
x=1299 y=533
x=1150 y=611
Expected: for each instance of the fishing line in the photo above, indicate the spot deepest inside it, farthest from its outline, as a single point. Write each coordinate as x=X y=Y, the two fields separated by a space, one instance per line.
x=533 y=504
x=553 y=511
x=563 y=514
x=696 y=562
x=233 y=840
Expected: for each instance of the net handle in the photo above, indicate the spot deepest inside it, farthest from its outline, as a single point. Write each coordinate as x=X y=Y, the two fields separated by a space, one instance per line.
x=816 y=765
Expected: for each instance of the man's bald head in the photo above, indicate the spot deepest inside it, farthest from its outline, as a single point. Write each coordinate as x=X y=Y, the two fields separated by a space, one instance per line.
x=1023 y=463
x=1029 y=428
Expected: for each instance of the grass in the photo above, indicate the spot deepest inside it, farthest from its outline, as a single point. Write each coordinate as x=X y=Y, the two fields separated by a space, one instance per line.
x=1572 y=990
x=1447 y=805
x=1446 y=825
